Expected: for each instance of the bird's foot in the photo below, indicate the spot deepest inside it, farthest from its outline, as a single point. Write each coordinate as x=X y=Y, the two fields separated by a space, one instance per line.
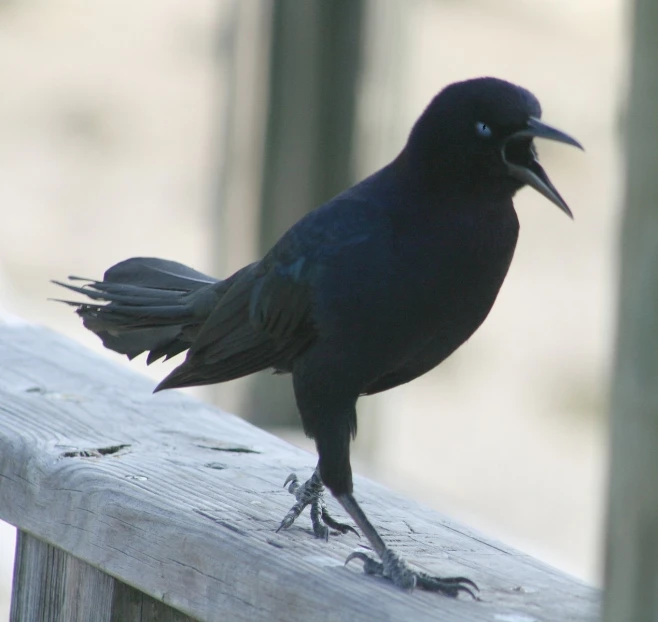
x=312 y=493
x=396 y=569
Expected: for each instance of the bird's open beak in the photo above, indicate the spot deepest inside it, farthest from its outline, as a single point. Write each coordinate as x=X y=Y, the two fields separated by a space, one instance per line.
x=533 y=174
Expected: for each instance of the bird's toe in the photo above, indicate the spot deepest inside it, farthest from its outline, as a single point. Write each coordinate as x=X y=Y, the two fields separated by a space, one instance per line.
x=370 y=565
x=394 y=568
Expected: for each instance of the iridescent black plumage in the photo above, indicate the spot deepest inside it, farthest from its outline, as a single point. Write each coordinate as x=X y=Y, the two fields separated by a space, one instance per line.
x=369 y=291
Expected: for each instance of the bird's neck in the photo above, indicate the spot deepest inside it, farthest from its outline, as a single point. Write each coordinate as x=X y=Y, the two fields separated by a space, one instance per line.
x=437 y=188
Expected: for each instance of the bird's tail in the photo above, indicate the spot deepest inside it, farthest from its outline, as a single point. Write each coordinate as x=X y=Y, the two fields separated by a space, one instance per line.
x=146 y=304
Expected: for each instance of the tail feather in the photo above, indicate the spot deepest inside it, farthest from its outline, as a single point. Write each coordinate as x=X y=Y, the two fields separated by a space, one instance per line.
x=156 y=273
x=164 y=308
x=124 y=300
x=146 y=304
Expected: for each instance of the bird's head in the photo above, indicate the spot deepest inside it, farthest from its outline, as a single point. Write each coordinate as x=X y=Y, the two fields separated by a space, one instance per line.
x=477 y=136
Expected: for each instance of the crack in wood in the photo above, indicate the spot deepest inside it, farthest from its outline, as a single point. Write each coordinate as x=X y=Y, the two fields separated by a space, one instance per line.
x=216 y=465
x=98 y=452
x=235 y=449
x=221 y=522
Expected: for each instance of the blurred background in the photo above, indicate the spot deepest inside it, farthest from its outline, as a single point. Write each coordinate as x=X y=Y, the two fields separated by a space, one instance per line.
x=200 y=130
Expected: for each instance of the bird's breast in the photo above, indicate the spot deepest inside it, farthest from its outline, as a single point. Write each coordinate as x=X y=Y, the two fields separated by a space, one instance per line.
x=455 y=264
x=430 y=285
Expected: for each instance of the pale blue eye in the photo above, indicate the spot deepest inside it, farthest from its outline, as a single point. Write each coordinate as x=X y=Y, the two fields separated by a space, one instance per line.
x=483 y=129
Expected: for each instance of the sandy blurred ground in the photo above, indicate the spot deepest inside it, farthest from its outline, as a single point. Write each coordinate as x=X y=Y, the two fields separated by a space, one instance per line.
x=109 y=134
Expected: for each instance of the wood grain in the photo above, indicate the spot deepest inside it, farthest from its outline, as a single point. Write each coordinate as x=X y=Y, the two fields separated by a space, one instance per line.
x=181 y=501
x=50 y=585
x=53 y=586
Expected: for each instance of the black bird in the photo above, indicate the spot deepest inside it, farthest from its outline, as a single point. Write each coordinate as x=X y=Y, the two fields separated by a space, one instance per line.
x=367 y=292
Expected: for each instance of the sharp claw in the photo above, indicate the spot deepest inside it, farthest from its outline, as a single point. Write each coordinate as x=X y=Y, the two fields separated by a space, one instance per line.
x=456 y=580
x=348 y=529
x=450 y=586
x=343 y=528
x=462 y=583
x=289 y=519
x=452 y=580
x=468 y=591
x=291 y=478
x=469 y=582
x=370 y=566
x=394 y=568
x=357 y=555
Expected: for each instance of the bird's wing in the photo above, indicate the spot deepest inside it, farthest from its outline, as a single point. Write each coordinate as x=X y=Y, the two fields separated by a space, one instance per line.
x=265 y=318
x=260 y=322
x=266 y=312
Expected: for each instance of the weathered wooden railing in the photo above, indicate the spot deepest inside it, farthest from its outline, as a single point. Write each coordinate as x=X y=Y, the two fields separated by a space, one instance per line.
x=133 y=506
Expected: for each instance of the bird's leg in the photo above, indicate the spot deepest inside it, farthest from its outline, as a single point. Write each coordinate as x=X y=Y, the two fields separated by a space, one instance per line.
x=333 y=426
x=393 y=567
x=312 y=493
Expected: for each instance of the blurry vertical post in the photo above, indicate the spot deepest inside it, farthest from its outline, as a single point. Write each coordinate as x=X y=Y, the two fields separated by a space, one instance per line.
x=309 y=109
x=632 y=539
